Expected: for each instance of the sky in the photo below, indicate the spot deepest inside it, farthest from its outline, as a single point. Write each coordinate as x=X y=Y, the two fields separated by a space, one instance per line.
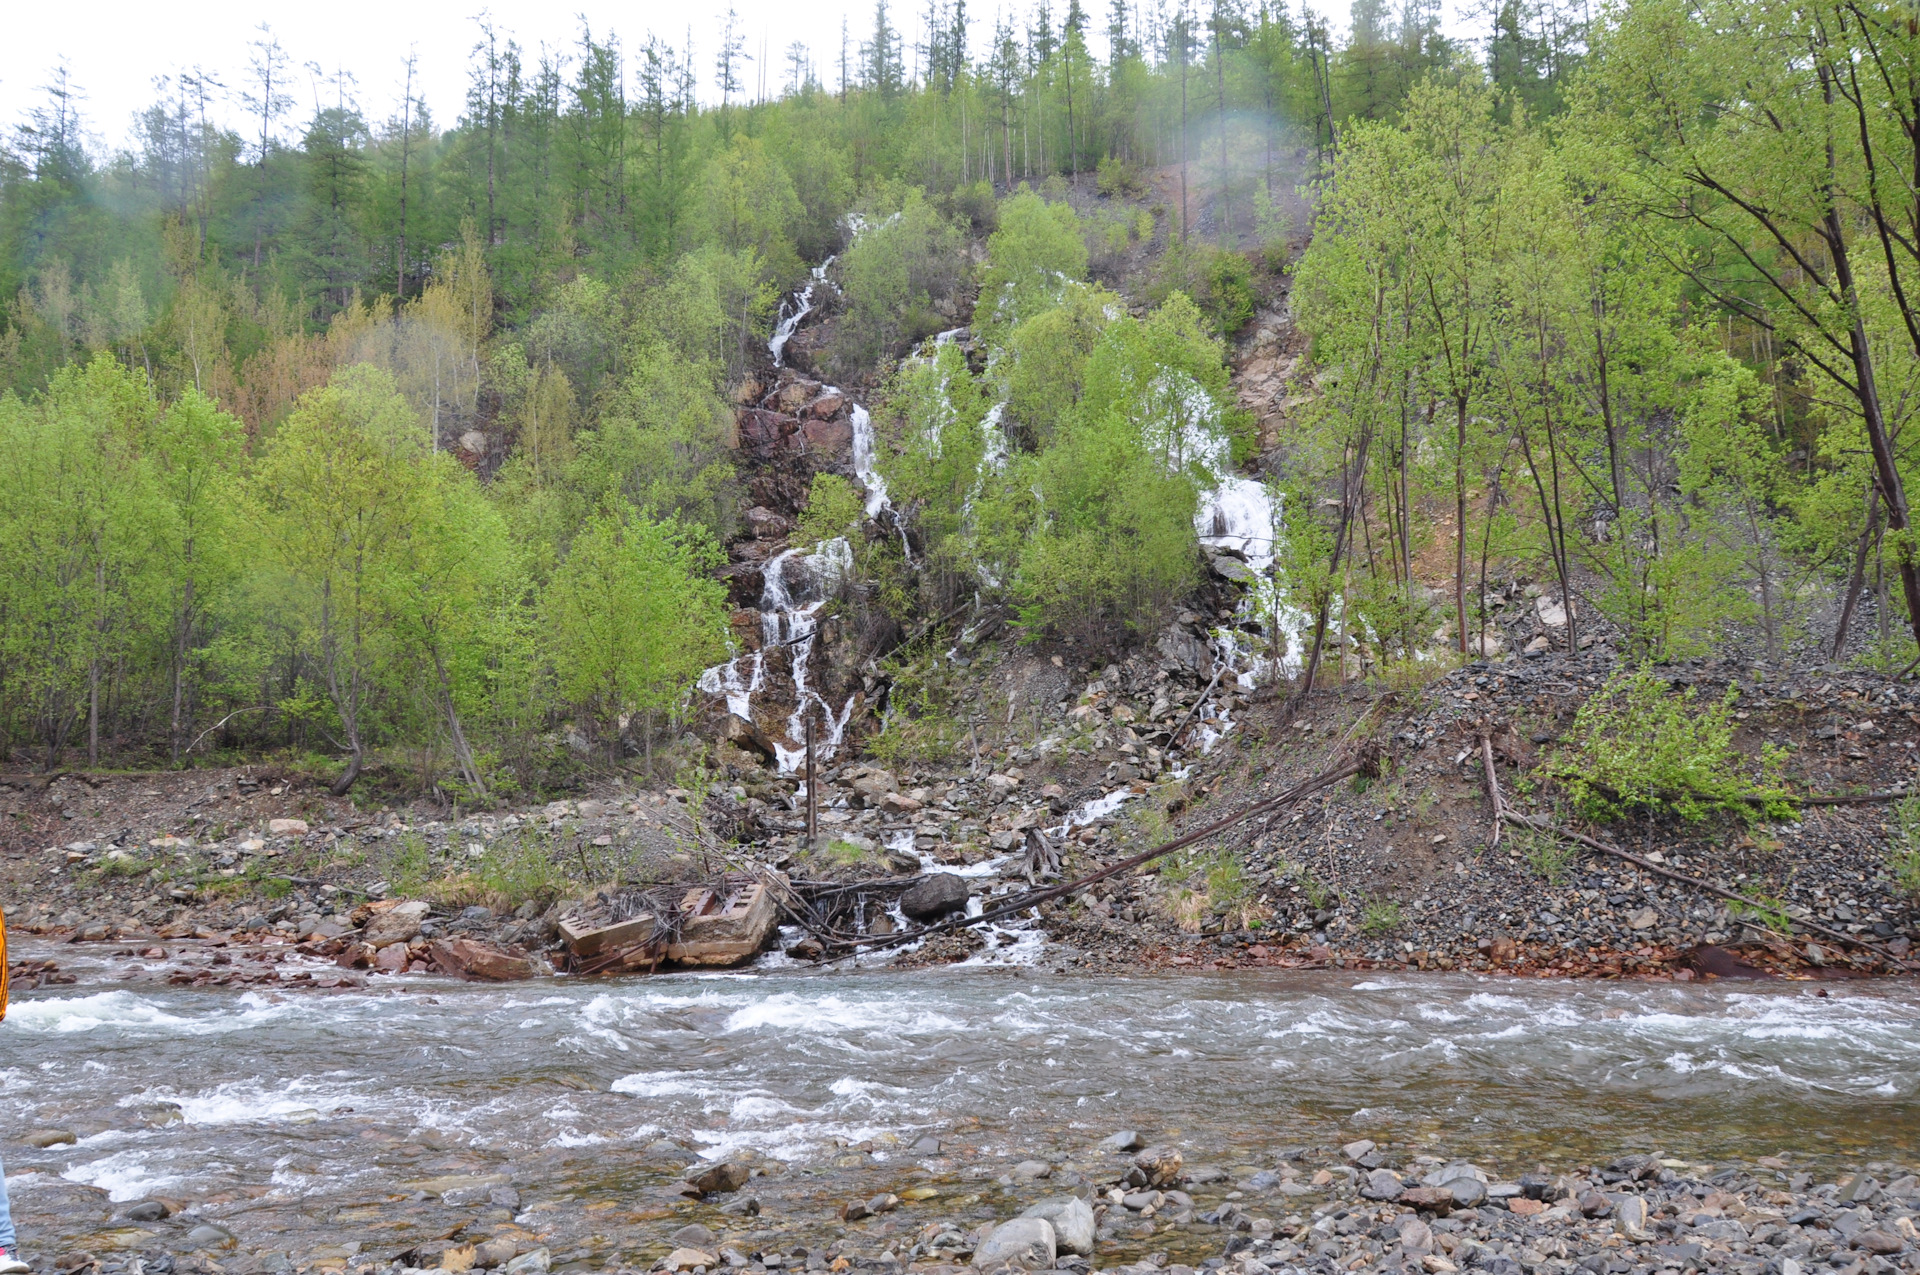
x=115 y=49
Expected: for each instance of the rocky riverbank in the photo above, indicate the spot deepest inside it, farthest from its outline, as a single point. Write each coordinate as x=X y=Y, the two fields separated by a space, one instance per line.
x=1399 y=872
x=940 y=1208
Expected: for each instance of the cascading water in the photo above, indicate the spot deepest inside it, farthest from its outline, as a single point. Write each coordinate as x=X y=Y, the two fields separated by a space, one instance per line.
x=793 y=311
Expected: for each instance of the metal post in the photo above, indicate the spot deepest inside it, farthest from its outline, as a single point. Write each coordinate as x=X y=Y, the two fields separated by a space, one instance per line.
x=813 y=800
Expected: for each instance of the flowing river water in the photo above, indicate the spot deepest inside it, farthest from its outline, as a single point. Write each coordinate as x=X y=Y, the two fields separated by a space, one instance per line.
x=288 y=1107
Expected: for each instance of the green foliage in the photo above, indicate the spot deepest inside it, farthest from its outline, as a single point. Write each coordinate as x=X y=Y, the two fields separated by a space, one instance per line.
x=834 y=508
x=1380 y=916
x=1547 y=855
x=1769 y=910
x=1638 y=748
x=899 y=264
x=920 y=725
x=1034 y=254
x=633 y=617
x=1903 y=854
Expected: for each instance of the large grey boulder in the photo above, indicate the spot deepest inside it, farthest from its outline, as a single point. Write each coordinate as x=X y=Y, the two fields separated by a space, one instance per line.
x=1026 y=1243
x=935 y=896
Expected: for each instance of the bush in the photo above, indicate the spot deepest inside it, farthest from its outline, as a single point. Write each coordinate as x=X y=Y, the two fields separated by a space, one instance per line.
x=1904 y=853
x=893 y=272
x=1117 y=178
x=1219 y=281
x=834 y=508
x=1638 y=749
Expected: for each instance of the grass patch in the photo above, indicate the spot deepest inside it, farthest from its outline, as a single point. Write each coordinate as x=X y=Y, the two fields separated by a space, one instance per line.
x=1636 y=748
x=1762 y=909
x=1380 y=917
x=1546 y=855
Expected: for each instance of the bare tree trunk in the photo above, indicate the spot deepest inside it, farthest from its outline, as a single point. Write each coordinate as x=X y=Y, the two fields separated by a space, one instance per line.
x=1859 y=576
x=1460 y=522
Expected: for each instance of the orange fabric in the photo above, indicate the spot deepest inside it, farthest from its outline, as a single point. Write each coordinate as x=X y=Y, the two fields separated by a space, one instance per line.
x=3 y=968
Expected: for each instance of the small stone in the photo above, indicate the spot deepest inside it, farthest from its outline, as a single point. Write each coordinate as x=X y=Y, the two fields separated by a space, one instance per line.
x=1467 y=1192
x=1024 y=1242
x=1161 y=1165
x=718 y=1179
x=1355 y=1150
x=495 y=1252
x=1123 y=1141
x=1881 y=1243
x=207 y=1235
x=149 y=1211
x=695 y=1236
x=538 y=1262
x=854 y=1211
x=1644 y=919
x=1593 y=1204
x=1381 y=1185
x=1416 y=1237
x=287 y=827
x=1630 y=1218
x=1031 y=1171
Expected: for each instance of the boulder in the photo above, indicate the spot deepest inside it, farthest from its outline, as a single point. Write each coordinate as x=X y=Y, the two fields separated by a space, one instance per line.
x=397 y=924
x=1072 y=1221
x=935 y=896
x=470 y=958
x=1026 y=1243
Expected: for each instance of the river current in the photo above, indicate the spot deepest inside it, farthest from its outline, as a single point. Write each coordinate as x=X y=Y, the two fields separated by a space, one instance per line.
x=280 y=1095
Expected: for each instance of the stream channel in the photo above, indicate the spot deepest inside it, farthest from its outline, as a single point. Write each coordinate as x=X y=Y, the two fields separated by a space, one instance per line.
x=277 y=1109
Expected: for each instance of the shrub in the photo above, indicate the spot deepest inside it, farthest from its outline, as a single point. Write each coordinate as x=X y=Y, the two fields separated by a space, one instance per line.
x=1638 y=749
x=834 y=508
x=1904 y=853
x=1117 y=177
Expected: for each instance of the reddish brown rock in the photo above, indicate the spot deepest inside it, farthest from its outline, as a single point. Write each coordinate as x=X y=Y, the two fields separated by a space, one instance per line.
x=828 y=437
x=472 y=959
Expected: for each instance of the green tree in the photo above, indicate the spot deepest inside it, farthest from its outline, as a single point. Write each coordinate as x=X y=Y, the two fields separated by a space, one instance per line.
x=634 y=617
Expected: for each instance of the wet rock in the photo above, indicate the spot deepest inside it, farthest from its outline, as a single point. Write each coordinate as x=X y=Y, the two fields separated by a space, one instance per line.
x=1031 y=1170
x=1358 y=1150
x=1160 y=1164
x=1026 y=1243
x=854 y=1211
x=718 y=1179
x=1072 y=1220
x=207 y=1235
x=44 y=1138
x=150 y=1211
x=474 y=959
x=940 y=894
x=666 y=1152
x=695 y=1236
x=1125 y=1140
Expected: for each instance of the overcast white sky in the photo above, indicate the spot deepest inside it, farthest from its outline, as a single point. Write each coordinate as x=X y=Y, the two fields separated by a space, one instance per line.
x=114 y=49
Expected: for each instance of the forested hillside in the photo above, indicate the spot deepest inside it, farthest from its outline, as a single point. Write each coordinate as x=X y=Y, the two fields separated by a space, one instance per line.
x=388 y=440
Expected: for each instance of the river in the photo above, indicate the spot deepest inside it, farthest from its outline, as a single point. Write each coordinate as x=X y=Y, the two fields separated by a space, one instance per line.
x=297 y=1103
